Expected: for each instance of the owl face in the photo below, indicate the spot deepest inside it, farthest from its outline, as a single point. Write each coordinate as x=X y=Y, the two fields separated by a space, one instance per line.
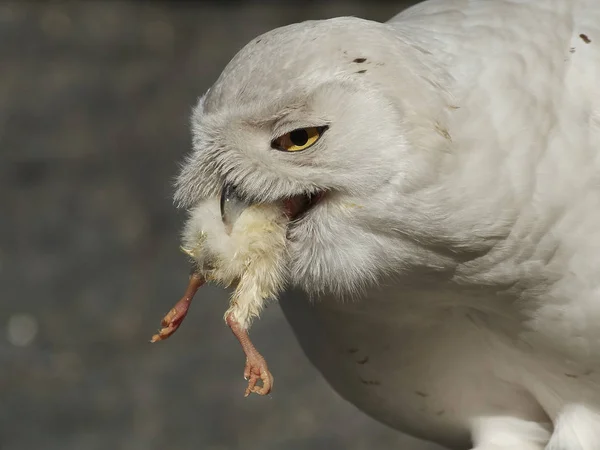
x=303 y=117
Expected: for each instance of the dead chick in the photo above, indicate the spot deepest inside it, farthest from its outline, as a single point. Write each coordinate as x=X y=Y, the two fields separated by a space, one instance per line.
x=240 y=244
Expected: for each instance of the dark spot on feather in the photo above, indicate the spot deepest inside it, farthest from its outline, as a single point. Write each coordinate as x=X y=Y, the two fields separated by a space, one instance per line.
x=572 y=50
x=369 y=382
x=360 y=60
x=585 y=39
x=363 y=361
x=570 y=375
x=421 y=394
x=352 y=350
x=361 y=71
x=258 y=41
x=440 y=412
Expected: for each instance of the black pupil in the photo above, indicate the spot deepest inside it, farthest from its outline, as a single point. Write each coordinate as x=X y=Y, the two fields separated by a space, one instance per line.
x=299 y=137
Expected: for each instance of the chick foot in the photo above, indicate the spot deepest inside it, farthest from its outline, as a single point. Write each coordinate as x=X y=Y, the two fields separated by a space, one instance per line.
x=256 y=367
x=175 y=316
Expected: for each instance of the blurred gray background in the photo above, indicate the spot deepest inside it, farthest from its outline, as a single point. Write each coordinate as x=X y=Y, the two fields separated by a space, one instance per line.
x=94 y=106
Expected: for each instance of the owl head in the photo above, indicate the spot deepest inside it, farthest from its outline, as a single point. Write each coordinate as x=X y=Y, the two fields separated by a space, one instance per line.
x=338 y=121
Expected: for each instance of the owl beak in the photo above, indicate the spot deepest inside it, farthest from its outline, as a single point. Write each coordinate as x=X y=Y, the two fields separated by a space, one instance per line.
x=232 y=206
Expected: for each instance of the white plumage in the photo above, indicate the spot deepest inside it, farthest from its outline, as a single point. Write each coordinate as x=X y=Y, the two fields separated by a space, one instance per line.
x=455 y=255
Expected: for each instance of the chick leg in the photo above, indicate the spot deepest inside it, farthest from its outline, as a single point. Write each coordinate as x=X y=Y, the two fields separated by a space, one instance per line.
x=175 y=316
x=256 y=366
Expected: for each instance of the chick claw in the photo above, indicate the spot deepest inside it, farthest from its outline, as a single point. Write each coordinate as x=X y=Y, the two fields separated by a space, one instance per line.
x=175 y=316
x=256 y=366
x=256 y=369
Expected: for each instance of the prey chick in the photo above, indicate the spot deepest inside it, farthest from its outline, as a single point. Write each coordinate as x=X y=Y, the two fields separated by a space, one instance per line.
x=240 y=244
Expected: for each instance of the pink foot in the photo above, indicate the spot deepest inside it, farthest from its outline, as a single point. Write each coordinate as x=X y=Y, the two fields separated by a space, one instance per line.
x=175 y=316
x=256 y=366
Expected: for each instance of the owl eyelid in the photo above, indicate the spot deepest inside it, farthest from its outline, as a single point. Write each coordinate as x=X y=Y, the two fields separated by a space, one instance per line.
x=275 y=144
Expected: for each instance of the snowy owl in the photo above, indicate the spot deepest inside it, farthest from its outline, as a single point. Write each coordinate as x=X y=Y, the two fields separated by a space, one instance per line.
x=427 y=192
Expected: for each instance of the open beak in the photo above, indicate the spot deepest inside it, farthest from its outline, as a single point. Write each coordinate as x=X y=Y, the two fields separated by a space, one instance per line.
x=232 y=206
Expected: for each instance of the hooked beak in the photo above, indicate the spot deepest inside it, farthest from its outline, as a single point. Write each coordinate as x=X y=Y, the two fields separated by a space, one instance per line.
x=232 y=206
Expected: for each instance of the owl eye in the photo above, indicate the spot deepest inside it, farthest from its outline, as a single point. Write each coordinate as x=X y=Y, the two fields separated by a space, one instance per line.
x=298 y=140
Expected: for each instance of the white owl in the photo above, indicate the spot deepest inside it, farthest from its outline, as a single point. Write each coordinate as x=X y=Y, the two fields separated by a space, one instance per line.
x=429 y=188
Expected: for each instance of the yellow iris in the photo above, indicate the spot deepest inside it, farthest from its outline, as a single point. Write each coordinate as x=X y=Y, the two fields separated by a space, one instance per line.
x=299 y=139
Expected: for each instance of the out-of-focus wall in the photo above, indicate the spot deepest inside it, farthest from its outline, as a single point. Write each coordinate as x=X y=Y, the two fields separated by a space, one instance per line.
x=94 y=106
